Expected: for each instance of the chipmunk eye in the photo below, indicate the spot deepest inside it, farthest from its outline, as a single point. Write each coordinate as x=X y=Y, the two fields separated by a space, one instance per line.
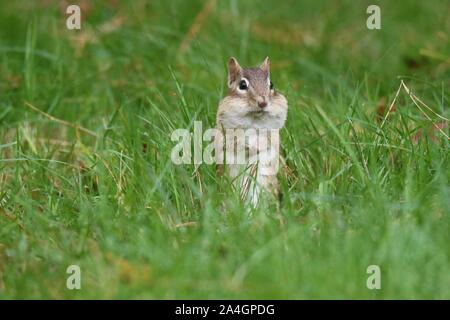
x=243 y=84
x=271 y=85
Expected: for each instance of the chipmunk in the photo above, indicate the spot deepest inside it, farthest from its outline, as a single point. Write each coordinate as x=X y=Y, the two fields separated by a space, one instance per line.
x=253 y=105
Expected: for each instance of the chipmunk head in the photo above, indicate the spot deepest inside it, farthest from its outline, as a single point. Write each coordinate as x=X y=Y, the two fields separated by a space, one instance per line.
x=253 y=84
x=252 y=101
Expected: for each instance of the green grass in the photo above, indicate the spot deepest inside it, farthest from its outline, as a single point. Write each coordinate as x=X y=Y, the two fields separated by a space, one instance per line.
x=355 y=193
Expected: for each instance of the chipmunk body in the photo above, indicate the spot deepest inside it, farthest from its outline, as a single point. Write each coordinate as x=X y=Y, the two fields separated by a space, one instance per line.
x=253 y=105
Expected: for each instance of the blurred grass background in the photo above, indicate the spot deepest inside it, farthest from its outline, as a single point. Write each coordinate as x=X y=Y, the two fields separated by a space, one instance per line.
x=356 y=193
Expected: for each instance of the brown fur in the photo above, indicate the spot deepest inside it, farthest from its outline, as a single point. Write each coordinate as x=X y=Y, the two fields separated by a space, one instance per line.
x=242 y=109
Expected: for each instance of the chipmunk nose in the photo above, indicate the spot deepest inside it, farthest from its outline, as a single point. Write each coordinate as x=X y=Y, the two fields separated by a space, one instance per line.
x=262 y=104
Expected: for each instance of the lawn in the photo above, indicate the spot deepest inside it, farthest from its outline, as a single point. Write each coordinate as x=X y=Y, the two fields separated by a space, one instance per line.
x=86 y=178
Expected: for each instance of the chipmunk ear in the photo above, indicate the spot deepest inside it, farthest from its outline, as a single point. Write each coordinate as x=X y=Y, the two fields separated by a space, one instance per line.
x=234 y=70
x=265 y=66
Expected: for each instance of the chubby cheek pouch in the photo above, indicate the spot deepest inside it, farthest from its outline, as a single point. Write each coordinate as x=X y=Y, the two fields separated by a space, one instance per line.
x=233 y=92
x=275 y=102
